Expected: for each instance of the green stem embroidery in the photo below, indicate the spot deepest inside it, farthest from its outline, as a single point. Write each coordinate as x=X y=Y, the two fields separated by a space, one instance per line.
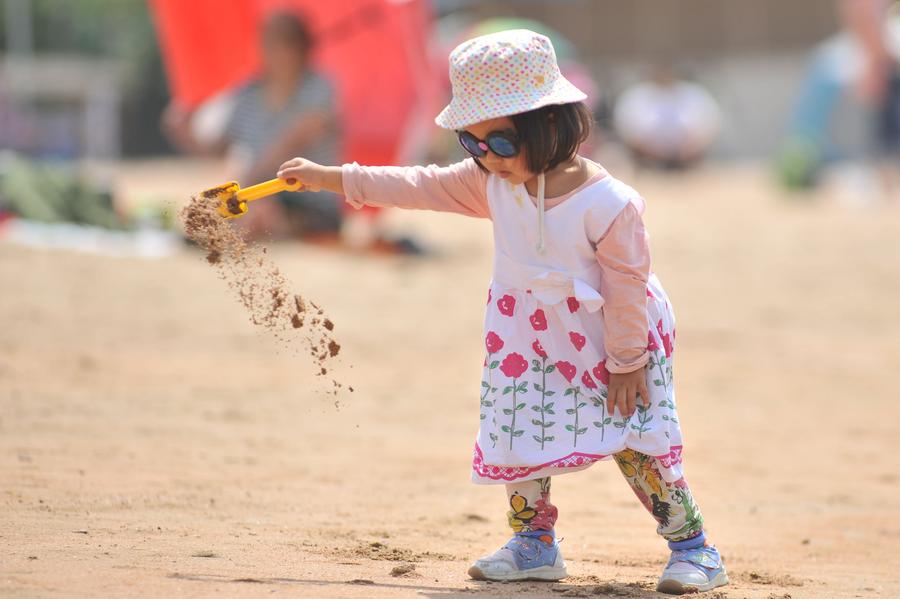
x=575 y=392
x=600 y=402
x=544 y=408
x=644 y=416
x=543 y=395
x=663 y=375
x=488 y=386
x=664 y=381
x=665 y=378
x=575 y=440
x=513 y=425
x=623 y=424
x=515 y=388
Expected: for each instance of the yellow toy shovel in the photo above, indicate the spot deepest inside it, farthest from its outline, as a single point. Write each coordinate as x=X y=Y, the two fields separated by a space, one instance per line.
x=233 y=200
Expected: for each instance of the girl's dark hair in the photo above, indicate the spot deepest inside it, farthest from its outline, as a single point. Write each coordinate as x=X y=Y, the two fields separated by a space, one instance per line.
x=290 y=28
x=551 y=135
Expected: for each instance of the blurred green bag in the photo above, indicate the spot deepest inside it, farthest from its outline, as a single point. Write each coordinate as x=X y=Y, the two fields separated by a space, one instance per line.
x=53 y=193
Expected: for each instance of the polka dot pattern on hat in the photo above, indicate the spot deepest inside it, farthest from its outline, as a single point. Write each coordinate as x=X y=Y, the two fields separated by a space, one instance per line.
x=502 y=74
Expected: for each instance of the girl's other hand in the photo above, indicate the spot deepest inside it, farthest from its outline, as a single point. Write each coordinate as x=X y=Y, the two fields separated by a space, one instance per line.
x=625 y=390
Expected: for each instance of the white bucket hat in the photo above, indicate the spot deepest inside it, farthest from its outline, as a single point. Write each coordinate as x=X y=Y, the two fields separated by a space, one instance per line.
x=501 y=74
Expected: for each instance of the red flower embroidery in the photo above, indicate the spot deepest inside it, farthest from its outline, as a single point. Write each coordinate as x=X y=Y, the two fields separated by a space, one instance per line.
x=650 y=294
x=651 y=342
x=601 y=373
x=573 y=304
x=538 y=349
x=567 y=370
x=490 y=295
x=667 y=342
x=577 y=340
x=506 y=305
x=493 y=342
x=513 y=365
x=588 y=381
x=538 y=320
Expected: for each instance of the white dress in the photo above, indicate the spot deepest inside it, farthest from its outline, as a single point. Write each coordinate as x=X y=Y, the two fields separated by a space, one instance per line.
x=543 y=390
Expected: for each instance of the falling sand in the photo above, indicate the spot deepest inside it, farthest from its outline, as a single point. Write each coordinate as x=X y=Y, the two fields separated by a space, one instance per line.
x=259 y=284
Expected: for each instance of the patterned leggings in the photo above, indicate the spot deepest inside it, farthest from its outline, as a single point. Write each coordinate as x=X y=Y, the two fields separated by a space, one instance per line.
x=671 y=504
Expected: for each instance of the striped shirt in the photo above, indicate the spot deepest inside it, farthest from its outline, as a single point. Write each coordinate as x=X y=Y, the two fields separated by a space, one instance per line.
x=253 y=126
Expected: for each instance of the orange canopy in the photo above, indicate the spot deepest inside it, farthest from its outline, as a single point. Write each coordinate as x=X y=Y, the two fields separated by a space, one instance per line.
x=375 y=52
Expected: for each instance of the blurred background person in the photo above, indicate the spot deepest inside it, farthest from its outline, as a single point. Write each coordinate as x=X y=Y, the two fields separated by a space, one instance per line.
x=861 y=61
x=868 y=22
x=667 y=121
x=876 y=29
x=288 y=110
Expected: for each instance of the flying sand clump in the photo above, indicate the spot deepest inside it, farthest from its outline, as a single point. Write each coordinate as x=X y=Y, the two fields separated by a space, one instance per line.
x=259 y=284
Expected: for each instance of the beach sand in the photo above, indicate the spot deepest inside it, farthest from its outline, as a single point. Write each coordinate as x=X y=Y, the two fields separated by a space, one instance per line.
x=154 y=443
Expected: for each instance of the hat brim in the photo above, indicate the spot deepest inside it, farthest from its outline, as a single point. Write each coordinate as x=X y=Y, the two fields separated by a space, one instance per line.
x=461 y=113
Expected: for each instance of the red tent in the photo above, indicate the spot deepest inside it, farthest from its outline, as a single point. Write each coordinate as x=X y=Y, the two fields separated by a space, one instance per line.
x=374 y=51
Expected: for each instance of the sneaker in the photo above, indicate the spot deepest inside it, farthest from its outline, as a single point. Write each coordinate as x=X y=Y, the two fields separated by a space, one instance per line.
x=526 y=556
x=693 y=570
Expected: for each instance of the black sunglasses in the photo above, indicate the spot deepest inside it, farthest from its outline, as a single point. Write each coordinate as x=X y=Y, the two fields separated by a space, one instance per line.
x=504 y=143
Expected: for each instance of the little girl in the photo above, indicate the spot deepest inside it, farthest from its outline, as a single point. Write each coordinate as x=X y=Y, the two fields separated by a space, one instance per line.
x=579 y=332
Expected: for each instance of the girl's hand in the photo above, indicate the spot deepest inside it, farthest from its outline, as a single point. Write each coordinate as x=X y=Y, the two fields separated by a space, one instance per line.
x=314 y=177
x=303 y=170
x=625 y=390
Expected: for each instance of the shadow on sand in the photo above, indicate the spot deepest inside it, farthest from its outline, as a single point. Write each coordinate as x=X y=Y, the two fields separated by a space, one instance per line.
x=521 y=590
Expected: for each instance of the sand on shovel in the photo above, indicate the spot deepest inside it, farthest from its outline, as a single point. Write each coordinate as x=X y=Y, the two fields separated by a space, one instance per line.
x=259 y=284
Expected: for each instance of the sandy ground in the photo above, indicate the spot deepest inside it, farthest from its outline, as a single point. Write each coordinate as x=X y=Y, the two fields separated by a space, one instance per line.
x=152 y=443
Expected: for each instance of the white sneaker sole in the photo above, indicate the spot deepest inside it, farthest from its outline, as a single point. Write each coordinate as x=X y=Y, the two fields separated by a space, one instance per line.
x=676 y=587
x=539 y=573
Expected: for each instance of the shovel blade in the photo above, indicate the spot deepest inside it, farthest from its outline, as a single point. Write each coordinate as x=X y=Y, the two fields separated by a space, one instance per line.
x=226 y=196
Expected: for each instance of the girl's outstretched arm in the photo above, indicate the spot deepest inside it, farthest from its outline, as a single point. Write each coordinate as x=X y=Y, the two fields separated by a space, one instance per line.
x=460 y=187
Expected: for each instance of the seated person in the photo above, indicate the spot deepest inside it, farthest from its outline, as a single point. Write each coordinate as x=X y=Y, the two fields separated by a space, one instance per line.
x=287 y=111
x=667 y=122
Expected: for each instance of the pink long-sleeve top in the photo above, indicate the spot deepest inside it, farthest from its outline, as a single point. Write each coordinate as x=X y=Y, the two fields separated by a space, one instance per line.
x=622 y=250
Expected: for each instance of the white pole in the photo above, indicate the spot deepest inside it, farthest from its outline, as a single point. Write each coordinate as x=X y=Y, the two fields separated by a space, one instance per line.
x=19 y=32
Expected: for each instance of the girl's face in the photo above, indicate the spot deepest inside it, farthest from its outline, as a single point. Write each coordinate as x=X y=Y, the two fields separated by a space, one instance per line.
x=512 y=169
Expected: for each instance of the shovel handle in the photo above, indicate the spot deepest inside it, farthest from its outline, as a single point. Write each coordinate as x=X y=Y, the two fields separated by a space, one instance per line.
x=267 y=188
